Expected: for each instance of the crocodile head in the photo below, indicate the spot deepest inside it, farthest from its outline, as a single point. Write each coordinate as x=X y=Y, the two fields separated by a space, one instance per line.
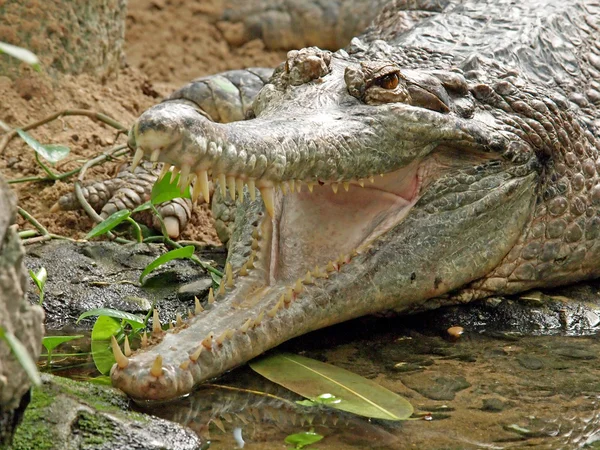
x=382 y=188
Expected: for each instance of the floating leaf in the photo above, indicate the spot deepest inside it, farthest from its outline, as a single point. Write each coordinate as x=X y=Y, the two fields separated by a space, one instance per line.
x=109 y=223
x=301 y=440
x=51 y=342
x=104 y=328
x=178 y=253
x=114 y=313
x=50 y=152
x=22 y=355
x=164 y=191
x=311 y=379
x=21 y=53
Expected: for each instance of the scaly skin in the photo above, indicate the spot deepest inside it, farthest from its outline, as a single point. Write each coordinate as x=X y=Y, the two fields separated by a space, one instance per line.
x=483 y=124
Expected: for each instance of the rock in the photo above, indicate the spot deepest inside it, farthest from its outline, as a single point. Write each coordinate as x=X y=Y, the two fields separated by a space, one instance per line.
x=436 y=388
x=75 y=415
x=195 y=289
x=530 y=362
x=493 y=405
x=17 y=318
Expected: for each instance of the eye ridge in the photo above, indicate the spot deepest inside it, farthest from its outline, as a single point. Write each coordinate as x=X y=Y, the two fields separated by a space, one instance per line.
x=389 y=81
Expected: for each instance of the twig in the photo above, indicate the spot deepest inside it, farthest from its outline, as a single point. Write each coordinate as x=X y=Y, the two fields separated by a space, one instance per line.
x=45 y=234
x=66 y=112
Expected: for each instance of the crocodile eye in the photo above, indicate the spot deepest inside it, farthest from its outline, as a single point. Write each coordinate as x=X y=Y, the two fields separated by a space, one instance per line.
x=389 y=81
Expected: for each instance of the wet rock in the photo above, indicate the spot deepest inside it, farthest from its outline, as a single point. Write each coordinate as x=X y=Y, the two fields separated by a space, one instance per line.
x=573 y=352
x=530 y=362
x=87 y=416
x=195 y=289
x=106 y=275
x=493 y=405
x=438 y=387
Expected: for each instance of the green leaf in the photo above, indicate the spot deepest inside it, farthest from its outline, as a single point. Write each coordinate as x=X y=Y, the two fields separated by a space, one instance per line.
x=310 y=379
x=109 y=223
x=163 y=190
x=301 y=440
x=216 y=279
x=114 y=313
x=22 y=355
x=21 y=53
x=51 y=342
x=101 y=379
x=39 y=278
x=179 y=253
x=104 y=328
x=143 y=207
x=50 y=152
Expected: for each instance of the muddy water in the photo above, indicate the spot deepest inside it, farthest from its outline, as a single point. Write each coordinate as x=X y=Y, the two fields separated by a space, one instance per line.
x=517 y=378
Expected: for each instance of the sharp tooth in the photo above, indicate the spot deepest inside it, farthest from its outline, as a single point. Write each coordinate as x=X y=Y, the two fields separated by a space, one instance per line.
x=144 y=340
x=211 y=296
x=284 y=187
x=171 y=325
x=299 y=186
x=289 y=295
x=239 y=184
x=259 y=318
x=292 y=186
x=231 y=186
x=229 y=274
x=155 y=154
x=255 y=233
x=310 y=186
x=196 y=189
x=219 y=424
x=184 y=365
x=126 y=347
x=330 y=267
x=308 y=278
x=254 y=244
x=120 y=358
x=190 y=314
x=202 y=180
x=156 y=370
x=178 y=320
x=361 y=182
x=227 y=334
x=184 y=177
x=207 y=341
x=371 y=179
x=139 y=154
x=268 y=197
x=164 y=171
x=174 y=173
x=197 y=306
x=381 y=175
x=244 y=270
x=334 y=187
x=271 y=313
x=222 y=288
x=252 y=189
x=251 y=260
x=244 y=328
x=223 y=184
x=346 y=185
x=156 y=327
x=194 y=356
x=298 y=286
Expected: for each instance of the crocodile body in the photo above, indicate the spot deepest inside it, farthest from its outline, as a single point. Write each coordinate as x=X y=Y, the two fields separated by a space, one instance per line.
x=448 y=154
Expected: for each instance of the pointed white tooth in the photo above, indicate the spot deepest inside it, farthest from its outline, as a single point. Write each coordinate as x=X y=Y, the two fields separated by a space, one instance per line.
x=334 y=187
x=184 y=177
x=202 y=180
x=174 y=173
x=298 y=186
x=156 y=369
x=139 y=154
x=292 y=186
x=231 y=186
x=126 y=347
x=371 y=179
x=252 y=189
x=155 y=154
x=239 y=184
x=164 y=171
x=120 y=358
x=196 y=190
x=346 y=185
x=310 y=186
x=361 y=182
x=223 y=184
x=268 y=197
x=284 y=187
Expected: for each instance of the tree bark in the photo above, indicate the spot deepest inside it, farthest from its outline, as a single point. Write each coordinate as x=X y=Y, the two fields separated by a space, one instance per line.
x=70 y=37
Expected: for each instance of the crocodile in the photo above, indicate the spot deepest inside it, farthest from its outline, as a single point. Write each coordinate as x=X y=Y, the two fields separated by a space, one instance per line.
x=447 y=154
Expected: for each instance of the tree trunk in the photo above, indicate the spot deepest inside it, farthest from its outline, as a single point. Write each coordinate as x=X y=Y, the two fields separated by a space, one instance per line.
x=67 y=36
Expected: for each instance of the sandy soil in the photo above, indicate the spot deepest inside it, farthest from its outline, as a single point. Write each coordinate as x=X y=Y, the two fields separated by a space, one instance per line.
x=168 y=42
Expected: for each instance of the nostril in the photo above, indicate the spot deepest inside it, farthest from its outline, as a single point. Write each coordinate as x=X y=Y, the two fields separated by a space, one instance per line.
x=307 y=64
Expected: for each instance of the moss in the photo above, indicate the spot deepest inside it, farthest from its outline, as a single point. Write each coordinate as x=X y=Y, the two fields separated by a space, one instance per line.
x=34 y=431
x=95 y=430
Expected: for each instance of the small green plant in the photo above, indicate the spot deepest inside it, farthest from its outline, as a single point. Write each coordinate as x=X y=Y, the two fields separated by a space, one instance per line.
x=39 y=279
x=51 y=342
x=303 y=439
